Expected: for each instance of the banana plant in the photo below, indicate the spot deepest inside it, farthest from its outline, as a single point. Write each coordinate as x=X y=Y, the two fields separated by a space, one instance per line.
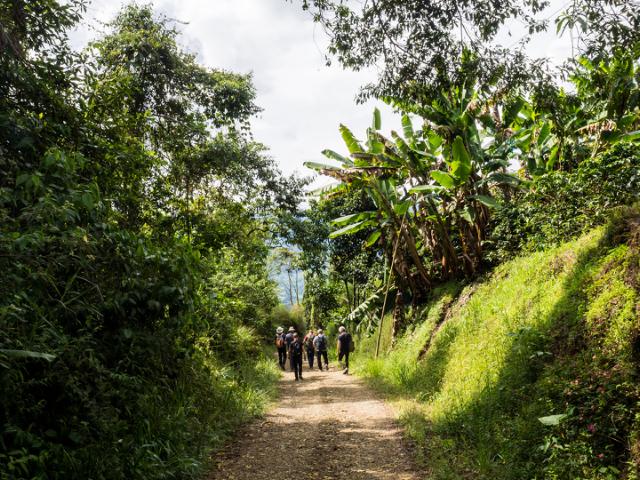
x=431 y=195
x=379 y=169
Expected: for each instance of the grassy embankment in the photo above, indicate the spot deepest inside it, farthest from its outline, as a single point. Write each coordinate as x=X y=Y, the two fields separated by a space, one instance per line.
x=555 y=334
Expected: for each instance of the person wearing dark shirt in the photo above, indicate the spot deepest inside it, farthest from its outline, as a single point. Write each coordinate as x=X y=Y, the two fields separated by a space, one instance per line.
x=344 y=347
x=320 y=346
x=295 y=356
x=309 y=348
x=281 y=347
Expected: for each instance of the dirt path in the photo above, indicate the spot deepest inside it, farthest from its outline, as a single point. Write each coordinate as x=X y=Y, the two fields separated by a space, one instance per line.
x=329 y=426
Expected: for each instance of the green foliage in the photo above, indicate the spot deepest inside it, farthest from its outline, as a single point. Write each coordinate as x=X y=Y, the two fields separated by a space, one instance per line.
x=562 y=205
x=416 y=45
x=135 y=294
x=436 y=229
x=532 y=372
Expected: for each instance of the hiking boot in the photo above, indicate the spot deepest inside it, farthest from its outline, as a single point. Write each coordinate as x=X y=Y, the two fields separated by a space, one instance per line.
x=345 y=371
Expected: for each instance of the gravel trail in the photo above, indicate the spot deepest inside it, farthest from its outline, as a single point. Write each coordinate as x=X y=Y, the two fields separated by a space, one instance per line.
x=329 y=426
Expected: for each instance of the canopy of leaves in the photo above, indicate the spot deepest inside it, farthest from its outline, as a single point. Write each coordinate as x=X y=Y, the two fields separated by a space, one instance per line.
x=136 y=214
x=418 y=44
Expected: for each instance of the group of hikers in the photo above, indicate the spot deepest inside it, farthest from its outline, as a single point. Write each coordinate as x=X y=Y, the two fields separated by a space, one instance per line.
x=314 y=347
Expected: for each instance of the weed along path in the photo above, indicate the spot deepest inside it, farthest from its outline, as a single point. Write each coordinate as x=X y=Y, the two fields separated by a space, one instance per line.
x=329 y=426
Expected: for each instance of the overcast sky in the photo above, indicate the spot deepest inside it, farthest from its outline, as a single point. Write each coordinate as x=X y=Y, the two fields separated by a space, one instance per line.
x=303 y=100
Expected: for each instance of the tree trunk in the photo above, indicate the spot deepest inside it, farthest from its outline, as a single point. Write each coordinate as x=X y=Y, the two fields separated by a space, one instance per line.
x=290 y=287
x=398 y=316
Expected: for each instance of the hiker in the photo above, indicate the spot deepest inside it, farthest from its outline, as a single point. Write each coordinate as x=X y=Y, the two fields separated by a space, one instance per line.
x=295 y=356
x=309 y=348
x=288 y=338
x=345 y=346
x=320 y=346
x=281 y=347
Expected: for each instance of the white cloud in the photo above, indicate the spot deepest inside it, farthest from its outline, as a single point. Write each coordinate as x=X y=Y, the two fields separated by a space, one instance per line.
x=304 y=101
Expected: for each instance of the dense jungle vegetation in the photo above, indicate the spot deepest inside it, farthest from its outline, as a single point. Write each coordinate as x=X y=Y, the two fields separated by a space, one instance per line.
x=486 y=256
x=137 y=215
x=508 y=352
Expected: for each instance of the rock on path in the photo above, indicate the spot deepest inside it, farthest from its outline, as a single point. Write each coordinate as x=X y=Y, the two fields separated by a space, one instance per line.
x=329 y=426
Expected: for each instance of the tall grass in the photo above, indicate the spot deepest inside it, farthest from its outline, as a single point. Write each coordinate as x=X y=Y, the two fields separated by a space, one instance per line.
x=507 y=354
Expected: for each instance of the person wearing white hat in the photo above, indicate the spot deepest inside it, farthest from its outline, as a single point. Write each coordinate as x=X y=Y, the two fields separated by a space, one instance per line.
x=288 y=338
x=281 y=347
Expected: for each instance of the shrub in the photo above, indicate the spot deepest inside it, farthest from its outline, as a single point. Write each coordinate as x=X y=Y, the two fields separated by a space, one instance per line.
x=560 y=206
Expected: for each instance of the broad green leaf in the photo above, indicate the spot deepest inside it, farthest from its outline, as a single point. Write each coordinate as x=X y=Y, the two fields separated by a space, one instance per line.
x=631 y=135
x=350 y=141
x=552 y=420
x=338 y=222
x=504 y=179
x=400 y=143
x=351 y=228
x=435 y=140
x=401 y=208
x=461 y=164
x=320 y=166
x=27 y=354
x=553 y=157
x=87 y=201
x=373 y=238
x=544 y=133
x=335 y=187
x=426 y=189
x=336 y=156
x=377 y=121
x=443 y=178
x=407 y=127
x=512 y=110
x=22 y=178
x=374 y=144
x=486 y=200
x=468 y=214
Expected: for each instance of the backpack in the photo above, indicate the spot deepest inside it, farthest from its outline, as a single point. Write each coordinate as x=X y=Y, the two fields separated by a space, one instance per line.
x=322 y=343
x=295 y=348
x=308 y=342
x=279 y=341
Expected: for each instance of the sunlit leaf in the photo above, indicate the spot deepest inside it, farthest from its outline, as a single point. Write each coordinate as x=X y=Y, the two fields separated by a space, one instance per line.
x=344 y=220
x=443 y=178
x=320 y=166
x=27 y=354
x=352 y=228
x=427 y=189
x=336 y=156
x=373 y=238
x=461 y=164
x=377 y=122
x=552 y=420
x=350 y=141
x=486 y=200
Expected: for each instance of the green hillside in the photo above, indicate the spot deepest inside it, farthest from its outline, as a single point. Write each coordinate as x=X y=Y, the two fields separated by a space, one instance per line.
x=530 y=372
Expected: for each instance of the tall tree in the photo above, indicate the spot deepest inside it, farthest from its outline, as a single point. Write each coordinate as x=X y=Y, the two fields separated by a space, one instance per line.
x=418 y=44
